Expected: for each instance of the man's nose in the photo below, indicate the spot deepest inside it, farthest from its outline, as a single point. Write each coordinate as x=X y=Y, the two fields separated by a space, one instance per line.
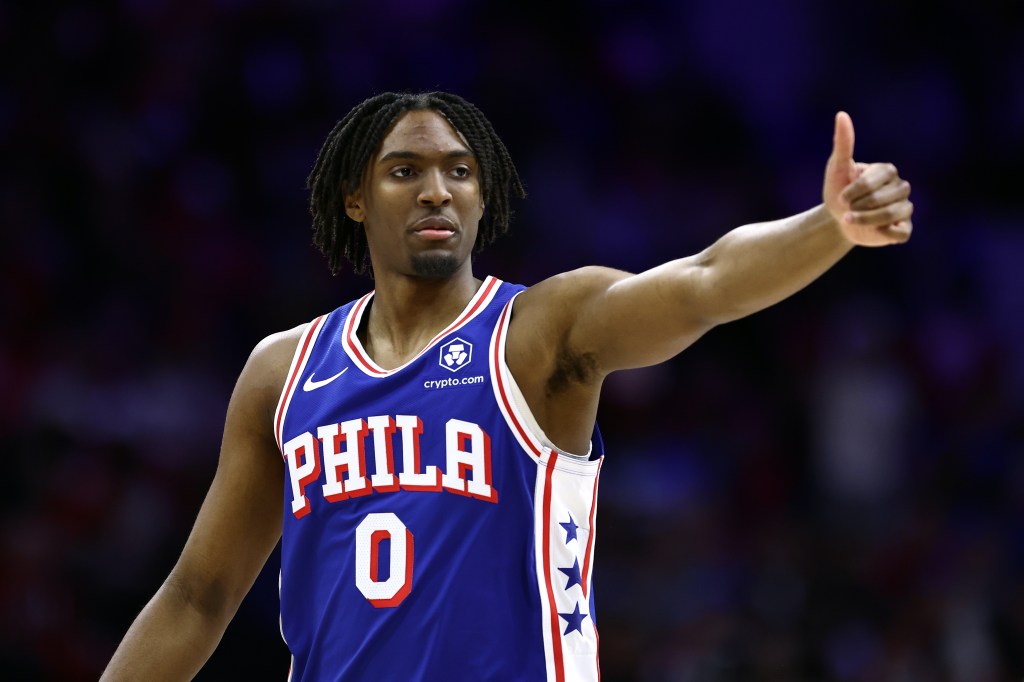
x=435 y=190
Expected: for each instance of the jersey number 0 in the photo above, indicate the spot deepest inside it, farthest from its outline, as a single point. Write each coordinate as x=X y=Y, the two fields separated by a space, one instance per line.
x=371 y=531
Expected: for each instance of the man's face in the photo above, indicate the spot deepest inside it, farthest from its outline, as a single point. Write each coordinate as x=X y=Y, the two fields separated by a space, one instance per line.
x=420 y=201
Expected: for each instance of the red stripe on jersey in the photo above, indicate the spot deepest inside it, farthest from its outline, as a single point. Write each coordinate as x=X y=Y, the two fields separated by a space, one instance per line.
x=350 y=335
x=482 y=297
x=501 y=384
x=314 y=327
x=590 y=537
x=556 y=635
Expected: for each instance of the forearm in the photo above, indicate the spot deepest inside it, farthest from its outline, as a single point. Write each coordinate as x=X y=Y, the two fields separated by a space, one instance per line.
x=758 y=265
x=170 y=639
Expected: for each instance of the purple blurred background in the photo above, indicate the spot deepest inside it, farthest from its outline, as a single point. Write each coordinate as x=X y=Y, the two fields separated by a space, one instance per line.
x=832 y=489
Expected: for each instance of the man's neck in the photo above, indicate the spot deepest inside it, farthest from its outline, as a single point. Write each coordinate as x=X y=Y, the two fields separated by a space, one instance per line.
x=407 y=312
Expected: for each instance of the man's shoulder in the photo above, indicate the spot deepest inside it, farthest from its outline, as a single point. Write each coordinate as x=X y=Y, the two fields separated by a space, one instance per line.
x=545 y=313
x=282 y=343
x=270 y=359
x=570 y=287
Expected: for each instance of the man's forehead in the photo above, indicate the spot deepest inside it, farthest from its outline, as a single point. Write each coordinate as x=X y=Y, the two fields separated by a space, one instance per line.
x=423 y=130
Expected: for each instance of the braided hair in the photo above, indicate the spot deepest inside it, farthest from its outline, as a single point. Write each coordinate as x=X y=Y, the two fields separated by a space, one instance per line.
x=346 y=153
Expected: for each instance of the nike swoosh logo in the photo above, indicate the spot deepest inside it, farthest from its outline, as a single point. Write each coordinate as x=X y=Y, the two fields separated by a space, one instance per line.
x=311 y=385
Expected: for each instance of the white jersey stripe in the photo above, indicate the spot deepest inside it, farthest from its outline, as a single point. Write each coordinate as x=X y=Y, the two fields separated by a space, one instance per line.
x=354 y=348
x=589 y=555
x=549 y=607
x=350 y=341
x=294 y=372
x=500 y=380
x=564 y=501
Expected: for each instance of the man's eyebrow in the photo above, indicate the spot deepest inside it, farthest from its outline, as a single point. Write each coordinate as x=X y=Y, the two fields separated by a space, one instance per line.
x=401 y=154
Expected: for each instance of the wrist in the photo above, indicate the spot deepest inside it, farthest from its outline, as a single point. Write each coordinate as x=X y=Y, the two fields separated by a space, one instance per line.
x=825 y=219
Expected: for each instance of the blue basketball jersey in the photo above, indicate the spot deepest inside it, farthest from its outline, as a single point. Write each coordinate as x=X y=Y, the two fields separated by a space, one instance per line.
x=429 y=533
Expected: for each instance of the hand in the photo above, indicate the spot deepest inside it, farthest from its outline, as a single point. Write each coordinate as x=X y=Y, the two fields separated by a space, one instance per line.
x=868 y=201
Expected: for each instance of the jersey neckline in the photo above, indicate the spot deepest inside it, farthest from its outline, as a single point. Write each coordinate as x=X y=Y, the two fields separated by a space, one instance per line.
x=362 y=360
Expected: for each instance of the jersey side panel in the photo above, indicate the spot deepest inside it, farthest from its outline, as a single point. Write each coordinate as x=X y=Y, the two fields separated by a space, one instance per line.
x=565 y=505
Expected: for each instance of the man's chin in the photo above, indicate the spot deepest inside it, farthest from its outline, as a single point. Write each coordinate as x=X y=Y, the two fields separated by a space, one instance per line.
x=435 y=265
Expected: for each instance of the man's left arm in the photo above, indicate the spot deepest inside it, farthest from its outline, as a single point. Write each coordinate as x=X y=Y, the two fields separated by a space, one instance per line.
x=570 y=331
x=621 y=321
x=755 y=266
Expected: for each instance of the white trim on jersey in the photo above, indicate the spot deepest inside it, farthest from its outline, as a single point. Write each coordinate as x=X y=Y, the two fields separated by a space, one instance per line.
x=501 y=379
x=510 y=398
x=354 y=348
x=299 y=359
x=565 y=497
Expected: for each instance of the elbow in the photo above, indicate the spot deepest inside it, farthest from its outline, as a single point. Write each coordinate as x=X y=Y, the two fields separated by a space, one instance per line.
x=708 y=302
x=205 y=595
x=718 y=295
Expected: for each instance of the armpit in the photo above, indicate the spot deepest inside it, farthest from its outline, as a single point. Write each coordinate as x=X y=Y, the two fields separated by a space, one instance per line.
x=571 y=368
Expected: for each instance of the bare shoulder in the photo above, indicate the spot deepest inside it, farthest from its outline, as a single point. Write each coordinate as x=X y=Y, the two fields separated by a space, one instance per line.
x=559 y=371
x=262 y=380
x=275 y=352
x=541 y=334
x=546 y=314
x=559 y=296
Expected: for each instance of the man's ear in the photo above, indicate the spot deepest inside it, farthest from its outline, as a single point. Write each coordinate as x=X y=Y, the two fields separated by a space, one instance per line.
x=354 y=208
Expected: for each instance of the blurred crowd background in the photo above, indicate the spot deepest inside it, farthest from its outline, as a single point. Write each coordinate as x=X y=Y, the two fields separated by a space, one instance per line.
x=832 y=489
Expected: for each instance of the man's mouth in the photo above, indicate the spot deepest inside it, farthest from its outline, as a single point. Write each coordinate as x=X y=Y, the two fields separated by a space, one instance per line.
x=434 y=228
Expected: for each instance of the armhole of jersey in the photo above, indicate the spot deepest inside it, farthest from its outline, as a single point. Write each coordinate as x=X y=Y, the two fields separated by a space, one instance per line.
x=299 y=360
x=510 y=398
x=519 y=401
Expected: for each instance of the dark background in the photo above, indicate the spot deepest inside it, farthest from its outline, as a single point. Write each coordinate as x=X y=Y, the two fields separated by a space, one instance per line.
x=832 y=489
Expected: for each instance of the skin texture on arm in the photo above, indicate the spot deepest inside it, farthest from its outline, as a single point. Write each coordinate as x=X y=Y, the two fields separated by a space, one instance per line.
x=236 y=529
x=571 y=331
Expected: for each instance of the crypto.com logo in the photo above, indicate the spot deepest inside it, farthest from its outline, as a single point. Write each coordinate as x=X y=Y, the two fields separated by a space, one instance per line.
x=456 y=354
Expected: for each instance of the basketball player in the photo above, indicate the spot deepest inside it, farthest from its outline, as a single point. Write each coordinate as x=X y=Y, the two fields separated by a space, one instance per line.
x=433 y=443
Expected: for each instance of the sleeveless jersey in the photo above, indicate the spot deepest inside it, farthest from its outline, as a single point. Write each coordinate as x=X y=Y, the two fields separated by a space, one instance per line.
x=429 y=533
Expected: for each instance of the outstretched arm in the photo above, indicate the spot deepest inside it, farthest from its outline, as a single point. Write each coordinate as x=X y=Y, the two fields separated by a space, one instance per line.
x=625 y=320
x=579 y=326
x=237 y=527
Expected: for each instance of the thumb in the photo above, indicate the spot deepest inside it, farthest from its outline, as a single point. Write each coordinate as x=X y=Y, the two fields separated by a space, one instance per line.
x=842 y=140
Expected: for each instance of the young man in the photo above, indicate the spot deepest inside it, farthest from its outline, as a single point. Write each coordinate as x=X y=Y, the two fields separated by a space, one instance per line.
x=435 y=440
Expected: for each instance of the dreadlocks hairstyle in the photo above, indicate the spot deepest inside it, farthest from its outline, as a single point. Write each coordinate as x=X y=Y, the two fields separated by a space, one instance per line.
x=343 y=159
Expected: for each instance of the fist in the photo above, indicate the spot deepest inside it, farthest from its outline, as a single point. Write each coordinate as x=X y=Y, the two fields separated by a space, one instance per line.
x=870 y=202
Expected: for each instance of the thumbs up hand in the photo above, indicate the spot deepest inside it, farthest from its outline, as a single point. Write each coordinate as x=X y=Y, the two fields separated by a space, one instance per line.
x=870 y=202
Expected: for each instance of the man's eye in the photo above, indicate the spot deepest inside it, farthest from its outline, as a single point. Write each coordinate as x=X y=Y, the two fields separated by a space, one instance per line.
x=460 y=172
x=402 y=172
